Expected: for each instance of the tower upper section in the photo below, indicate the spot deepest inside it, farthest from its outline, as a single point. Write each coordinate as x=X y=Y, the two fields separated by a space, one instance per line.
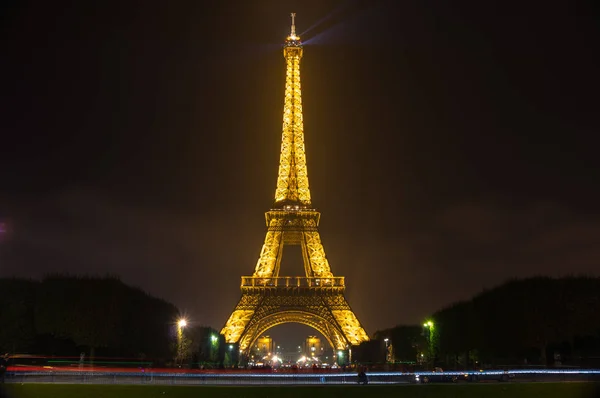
x=292 y=180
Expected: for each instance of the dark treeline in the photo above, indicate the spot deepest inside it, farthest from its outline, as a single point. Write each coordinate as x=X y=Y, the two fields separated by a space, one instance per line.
x=539 y=320
x=536 y=321
x=404 y=346
x=63 y=315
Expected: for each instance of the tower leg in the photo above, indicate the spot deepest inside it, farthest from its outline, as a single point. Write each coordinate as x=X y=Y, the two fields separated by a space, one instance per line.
x=270 y=255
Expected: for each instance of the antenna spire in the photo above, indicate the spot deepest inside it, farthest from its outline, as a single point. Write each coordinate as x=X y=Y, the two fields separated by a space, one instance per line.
x=293 y=24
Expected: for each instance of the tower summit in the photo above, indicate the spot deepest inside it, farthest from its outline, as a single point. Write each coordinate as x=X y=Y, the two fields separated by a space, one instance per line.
x=293 y=30
x=316 y=299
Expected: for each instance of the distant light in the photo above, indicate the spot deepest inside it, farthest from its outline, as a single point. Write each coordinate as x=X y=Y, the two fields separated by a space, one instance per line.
x=430 y=324
x=386 y=340
x=340 y=353
x=182 y=323
x=214 y=338
x=231 y=346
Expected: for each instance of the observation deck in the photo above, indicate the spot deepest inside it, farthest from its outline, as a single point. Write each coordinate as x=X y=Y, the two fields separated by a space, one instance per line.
x=334 y=284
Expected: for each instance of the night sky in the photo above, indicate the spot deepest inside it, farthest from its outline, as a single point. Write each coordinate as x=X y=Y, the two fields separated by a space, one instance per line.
x=450 y=145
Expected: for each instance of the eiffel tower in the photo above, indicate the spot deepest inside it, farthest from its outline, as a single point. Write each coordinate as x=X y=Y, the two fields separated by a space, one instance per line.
x=316 y=299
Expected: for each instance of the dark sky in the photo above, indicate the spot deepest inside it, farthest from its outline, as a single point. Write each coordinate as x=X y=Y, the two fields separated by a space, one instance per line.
x=450 y=145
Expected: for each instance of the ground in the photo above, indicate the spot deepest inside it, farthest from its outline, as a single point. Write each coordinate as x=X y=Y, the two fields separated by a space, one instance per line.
x=482 y=390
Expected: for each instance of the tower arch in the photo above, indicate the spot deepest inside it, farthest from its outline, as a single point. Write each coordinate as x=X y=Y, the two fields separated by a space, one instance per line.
x=332 y=334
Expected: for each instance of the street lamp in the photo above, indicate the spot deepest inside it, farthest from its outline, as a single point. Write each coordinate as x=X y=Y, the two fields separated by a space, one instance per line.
x=182 y=323
x=388 y=355
x=429 y=326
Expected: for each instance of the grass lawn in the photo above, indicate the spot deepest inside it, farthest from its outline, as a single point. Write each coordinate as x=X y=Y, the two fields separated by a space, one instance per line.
x=492 y=390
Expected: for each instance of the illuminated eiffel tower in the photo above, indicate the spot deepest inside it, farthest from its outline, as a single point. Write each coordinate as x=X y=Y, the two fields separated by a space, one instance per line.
x=316 y=299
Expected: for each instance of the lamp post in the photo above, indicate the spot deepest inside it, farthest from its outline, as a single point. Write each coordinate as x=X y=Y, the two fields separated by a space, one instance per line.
x=429 y=326
x=214 y=348
x=181 y=324
x=388 y=357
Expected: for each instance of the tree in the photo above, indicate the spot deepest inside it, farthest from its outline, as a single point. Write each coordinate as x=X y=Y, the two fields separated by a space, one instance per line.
x=17 y=331
x=520 y=321
x=80 y=309
x=62 y=315
x=408 y=342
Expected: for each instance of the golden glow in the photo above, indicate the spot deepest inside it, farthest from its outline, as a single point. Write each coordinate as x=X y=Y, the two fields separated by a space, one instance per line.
x=350 y=326
x=182 y=323
x=265 y=266
x=316 y=299
x=235 y=326
x=292 y=180
x=293 y=227
x=333 y=283
x=319 y=322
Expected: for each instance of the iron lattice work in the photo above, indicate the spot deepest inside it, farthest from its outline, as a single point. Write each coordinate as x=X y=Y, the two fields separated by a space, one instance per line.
x=316 y=300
